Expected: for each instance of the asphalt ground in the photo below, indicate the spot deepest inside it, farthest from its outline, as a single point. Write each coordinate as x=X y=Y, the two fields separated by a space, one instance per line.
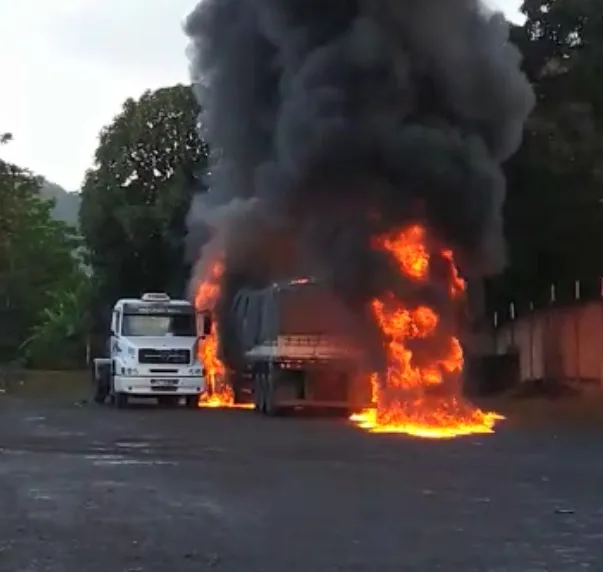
x=85 y=488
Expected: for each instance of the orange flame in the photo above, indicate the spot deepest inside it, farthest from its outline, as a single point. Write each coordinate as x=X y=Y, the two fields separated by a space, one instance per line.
x=419 y=399
x=409 y=250
x=218 y=392
x=458 y=285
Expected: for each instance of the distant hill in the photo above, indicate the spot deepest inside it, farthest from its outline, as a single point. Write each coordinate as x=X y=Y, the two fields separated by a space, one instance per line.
x=67 y=204
x=66 y=209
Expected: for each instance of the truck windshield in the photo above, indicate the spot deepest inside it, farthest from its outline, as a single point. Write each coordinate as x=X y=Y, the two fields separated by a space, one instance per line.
x=158 y=325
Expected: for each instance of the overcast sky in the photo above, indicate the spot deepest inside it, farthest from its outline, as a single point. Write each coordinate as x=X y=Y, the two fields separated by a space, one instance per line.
x=68 y=65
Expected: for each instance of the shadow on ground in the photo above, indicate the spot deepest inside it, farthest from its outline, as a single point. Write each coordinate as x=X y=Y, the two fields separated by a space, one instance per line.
x=582 y=408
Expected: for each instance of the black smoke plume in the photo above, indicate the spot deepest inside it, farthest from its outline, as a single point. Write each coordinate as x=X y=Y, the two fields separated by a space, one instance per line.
x=332 y=121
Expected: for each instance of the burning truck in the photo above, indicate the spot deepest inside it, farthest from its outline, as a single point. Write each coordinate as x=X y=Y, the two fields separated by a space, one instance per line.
x=360 y=141
x=288 y=346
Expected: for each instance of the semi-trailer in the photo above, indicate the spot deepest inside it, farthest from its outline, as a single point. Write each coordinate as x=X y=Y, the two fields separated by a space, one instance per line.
x=288 y=345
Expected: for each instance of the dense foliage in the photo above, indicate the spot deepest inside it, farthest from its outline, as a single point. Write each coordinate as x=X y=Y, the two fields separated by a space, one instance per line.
x=554 y=210
x=38 y=266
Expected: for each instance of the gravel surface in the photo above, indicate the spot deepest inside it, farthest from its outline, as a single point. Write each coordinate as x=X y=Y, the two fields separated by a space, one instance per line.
x=86 y=489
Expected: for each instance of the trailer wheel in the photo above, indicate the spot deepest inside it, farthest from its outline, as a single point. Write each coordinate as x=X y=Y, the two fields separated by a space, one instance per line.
x=257 y=393
x=270 y=406
x=263 y=393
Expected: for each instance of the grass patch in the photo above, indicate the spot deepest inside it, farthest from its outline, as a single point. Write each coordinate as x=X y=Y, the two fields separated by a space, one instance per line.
x=45 y=384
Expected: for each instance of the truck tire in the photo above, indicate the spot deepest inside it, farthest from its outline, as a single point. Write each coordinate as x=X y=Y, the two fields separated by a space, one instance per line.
x=269 y=396
x=120 y=400
x=192 y=401
x=99 y=396
x=99 y=388
x=257 y=393
x=264 y=394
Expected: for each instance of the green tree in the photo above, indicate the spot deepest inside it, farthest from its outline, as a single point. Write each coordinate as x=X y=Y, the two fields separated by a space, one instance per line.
x=58 y=340
x=554 y=209
x=36 y=256
x=136 y=196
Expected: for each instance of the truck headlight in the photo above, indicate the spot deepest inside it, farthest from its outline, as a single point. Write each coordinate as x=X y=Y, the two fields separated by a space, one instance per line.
x=194 y=371
x=131 y=352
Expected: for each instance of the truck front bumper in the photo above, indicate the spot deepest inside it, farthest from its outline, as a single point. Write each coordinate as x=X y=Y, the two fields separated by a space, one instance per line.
x=154 y=386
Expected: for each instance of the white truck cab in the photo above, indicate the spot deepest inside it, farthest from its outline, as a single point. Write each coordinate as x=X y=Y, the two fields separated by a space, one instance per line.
x=152 y=352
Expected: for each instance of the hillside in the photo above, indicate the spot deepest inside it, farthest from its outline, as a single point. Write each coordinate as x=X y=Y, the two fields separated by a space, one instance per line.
x=67 y=204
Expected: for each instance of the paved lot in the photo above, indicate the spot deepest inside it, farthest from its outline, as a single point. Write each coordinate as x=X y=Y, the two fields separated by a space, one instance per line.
x=86 y=489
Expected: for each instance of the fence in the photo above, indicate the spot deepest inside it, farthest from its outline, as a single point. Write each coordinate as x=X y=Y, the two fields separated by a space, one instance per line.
x=563 y=343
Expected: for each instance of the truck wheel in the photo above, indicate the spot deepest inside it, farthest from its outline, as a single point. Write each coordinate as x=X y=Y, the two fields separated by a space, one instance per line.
x=99 y=389
x=101 y=383
x=120 y=400
x=117 y=398
x=258 y=393
x=264 y=394
x=192 y=401
x=270 y=407
x=99 y=396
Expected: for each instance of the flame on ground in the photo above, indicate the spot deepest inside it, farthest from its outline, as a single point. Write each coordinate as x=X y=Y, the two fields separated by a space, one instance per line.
x=218 y=393
x=411 y=402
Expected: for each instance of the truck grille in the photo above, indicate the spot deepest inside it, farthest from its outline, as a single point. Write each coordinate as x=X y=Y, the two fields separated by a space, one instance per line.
x=149 y=355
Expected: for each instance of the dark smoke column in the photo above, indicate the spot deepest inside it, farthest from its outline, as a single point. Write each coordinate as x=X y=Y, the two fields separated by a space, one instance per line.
x=344 y=120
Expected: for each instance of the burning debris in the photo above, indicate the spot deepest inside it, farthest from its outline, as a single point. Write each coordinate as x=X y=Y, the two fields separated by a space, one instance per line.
x=363 y=142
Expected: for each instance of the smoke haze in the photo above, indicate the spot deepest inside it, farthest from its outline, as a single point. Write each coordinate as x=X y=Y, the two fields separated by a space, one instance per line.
x=335 y=121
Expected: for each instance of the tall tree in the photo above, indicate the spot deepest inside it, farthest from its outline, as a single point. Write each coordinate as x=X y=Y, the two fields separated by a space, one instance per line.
x=136 y=196
x=36 y=256
x=555 y=200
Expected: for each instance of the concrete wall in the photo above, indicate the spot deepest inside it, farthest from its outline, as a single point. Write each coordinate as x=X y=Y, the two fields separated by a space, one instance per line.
x=565 y=343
